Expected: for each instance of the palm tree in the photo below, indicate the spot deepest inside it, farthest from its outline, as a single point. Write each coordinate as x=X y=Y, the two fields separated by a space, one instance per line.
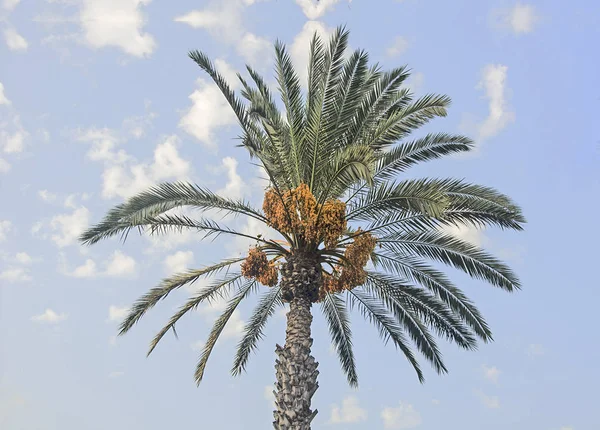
x=331 y=158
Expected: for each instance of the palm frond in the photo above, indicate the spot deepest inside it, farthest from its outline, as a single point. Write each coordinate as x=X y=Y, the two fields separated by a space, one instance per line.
x=205 y=295
x=447 y=249
x=168 y=285
x=218 y=327
x=253 y=332
x=417 y=271
x=376 y=313
x=334 y=309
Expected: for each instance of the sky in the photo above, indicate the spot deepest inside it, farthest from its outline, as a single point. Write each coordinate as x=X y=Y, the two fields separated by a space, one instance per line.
x=98 y=101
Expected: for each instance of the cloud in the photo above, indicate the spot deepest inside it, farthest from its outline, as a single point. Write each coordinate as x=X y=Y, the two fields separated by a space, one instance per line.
x=116 y=374
x=86 y=270
x=493 y=82
x=23 y=258
x=15 y=274
x=567 y=428
x=535 y=350
x=398 y=47
x=404 y=416
x=520 y=19
x=300 y=48
x=123 y=175
x=117 y=313
x=9 y=5
x=349 y=412
x=178 y=262
x=315 y=9
x=4 y=166
x=208 y=112
x=269 y=396
x=490 y=402
x=491 y=373
x=14 y=40
x=3 y=99
x=235 y=185
x=120 y=265
x=116 y=23
x=5 y=227
x=12 y=135
x=467 y=233
x=49 y=317
x=224 y=20
x=69 y=226
x=235 y=326
x=46 y=195
x=197 y=346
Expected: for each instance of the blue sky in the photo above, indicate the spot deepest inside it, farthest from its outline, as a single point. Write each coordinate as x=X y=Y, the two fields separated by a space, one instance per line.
x=98 y=100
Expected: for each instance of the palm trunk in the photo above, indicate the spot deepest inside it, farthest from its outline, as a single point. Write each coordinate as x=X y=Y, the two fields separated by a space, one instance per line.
x=296 y=369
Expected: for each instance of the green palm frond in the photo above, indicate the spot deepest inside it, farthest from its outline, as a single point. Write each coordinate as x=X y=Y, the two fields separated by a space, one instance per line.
x=338 y=321
x=418 y=332
x=159 y=199
x=429 y=147
x=168 y=285
x=218 y=327
x=447 y=249
x=417 y=271
x=404 y=298
x=205 y=295
x=376 y=313
x=253 y=332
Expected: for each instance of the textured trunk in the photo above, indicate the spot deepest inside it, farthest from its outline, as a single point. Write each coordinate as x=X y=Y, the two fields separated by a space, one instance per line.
x=296 y=369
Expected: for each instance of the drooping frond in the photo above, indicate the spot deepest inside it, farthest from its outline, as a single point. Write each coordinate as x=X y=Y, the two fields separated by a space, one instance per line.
x=159 y=199
x=338 y=321
x=218 y=327
x=152 y=297
x=375 y=312
x=415 y=270
x=447 y=249
x=404 y=298
x=205 y=295
x=406 y=316
x=253 y=332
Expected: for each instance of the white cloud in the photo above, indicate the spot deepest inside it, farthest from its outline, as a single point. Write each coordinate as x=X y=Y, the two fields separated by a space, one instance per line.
x=116 y=374
x=178 y=262
x=117 y=313
x=300 y=48
x=415 y=81
x=197 y=346
x=490 y=402
x=118 y=23
x=13 y=142
x=235 y=185
x=404 y=416
x=4 y=166
x=15 y=274
x=69 y=226
x=349 y=412
x=567 y=428
x=535 y=350
x=10 y=4
x=315 y=9
x=23 y=258
x=49 y=317
x=120 y=265
x=521 y=18
x=435 y=402
x=46 y=195
x=224 y=20
x=14 y=40
x=398 y=47
x=235 y=325
x=208 y=112
x=491 y=373
x=269 y=396
x=86 y=270
x=3 y=99
x=467 y=233
x=493 y=82
x=5 y=227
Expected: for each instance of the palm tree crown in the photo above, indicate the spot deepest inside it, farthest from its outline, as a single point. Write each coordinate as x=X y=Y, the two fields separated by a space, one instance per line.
x=332 y=159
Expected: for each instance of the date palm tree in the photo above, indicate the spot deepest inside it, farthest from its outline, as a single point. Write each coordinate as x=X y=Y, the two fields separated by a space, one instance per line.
x=350 y=234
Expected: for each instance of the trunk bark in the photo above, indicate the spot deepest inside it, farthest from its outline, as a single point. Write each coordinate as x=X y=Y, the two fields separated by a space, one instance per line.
x=296 y=371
